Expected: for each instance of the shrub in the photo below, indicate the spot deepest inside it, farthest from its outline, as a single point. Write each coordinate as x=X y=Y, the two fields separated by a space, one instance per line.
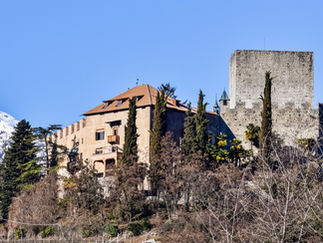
x=135 y=228
x=48 y=231
x=20 y=233
x=112 y=230
x=111 y=216
x=87 y=233
x=146 y=225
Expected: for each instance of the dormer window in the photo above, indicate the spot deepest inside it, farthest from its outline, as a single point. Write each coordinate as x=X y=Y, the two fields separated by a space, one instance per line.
x=105 y=105
x=119 y=102
x=138 y=98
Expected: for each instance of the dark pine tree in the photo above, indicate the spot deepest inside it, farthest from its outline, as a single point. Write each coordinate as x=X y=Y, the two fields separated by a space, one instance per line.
x=130 y=148
x=156 y=134
x=188 y=143
x=168 y=90
x=54 y=156
x=20 y=169
x=266 y=122
x=43 y=134
x=130 y=173
x=201 y=124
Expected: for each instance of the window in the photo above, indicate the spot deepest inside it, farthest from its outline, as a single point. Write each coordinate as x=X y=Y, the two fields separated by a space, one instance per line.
x=114 y=123
x=99 y=174
x=99 y=135
x=106 y=104
x=115 y=131
x=119 y=103
x=99 y=151
x=138 y=98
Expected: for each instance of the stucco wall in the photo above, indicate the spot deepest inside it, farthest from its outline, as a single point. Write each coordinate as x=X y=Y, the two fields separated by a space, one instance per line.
x=86 y=135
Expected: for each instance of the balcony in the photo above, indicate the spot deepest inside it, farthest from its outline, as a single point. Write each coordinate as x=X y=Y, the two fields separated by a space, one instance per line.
x=113 y=139
x=106 y=150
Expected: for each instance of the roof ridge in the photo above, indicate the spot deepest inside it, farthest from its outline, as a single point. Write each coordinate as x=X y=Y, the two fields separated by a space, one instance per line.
x=149 y=93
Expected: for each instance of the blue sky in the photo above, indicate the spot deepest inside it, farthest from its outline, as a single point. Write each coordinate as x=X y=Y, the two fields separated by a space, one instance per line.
x=59 y=59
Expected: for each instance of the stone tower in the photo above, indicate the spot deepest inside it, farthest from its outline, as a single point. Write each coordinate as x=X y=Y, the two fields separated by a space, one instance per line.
x=292 y=93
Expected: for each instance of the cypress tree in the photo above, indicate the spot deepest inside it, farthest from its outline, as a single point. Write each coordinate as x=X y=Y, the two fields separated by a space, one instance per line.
x=201 y=123
x=156 y=134
x=20 y=169
x=159 y=123
x=188 y=143
x=130 y=148
x=129 y=172
x=266 y=122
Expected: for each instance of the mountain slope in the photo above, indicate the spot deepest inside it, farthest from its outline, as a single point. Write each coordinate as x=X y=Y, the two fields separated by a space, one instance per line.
x=7 y=124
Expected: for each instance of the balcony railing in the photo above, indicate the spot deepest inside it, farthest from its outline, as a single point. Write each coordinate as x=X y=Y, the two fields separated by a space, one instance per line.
x=106 y=150
x=113 y=139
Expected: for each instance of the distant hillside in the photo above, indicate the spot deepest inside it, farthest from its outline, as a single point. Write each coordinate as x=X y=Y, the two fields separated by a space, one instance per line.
x=7 y=124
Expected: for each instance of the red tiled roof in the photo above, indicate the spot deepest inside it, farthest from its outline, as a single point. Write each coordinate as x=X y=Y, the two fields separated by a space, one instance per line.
x=146 y=95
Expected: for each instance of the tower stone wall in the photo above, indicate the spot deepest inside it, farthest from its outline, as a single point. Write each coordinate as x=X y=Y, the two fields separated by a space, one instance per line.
x=292 y=93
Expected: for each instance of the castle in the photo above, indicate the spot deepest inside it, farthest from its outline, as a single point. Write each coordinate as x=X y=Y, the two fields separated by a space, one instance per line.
x=293 y=113
x=101 y=134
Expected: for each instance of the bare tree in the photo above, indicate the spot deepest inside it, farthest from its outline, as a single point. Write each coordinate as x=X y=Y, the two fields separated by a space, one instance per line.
x=36 y=208
x=169 y=161
x=280 y=205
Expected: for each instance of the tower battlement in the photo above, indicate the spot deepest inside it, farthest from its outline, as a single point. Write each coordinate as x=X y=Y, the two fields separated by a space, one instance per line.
x=71 y=129
x=292 y=72
x=292 y=93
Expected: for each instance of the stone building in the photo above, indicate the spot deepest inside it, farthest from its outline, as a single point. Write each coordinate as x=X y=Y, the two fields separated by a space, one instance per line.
x=293 y=112
x=101 y=133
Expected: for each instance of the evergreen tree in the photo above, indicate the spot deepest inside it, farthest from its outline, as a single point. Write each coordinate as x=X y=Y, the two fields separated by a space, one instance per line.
x=130 y=173
x=20 y=169
x=156 y=134
x=42 y=134
x=252 y=135
x=266 y=122
x=159 y=124
x=130 y=145
x=188 y=143
x=168 y=90
x=54 y=156
x=57 y=153
x=201 y=123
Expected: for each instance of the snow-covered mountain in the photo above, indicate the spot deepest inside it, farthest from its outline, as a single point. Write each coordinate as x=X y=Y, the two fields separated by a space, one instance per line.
x=7 y=124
